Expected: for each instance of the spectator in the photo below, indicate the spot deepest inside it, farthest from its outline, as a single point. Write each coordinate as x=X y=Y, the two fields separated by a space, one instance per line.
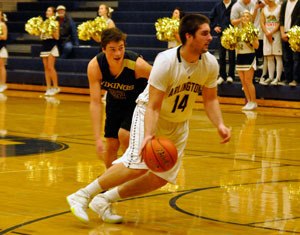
x=48 y=54
x=177 y=14
x=3 y=51
x=246 y=64
x=259 y=6
x=272 y=41
x=238 y=9
x=289 y=17
x=220 y=20
x=67 y=31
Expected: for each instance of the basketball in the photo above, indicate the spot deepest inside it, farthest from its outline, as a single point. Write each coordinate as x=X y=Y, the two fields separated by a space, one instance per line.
x=160 y=154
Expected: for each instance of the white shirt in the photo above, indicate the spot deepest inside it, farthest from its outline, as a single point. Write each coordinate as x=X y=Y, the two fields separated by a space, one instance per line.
x=181 y=82
x=290 y=5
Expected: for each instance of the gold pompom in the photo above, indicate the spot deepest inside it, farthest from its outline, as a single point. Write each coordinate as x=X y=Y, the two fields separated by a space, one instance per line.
x=33 y=26
x=166 y=28
x=49 y=26
x=230 y=38
x=249 y=33
x=294 y=38
x=92 y=28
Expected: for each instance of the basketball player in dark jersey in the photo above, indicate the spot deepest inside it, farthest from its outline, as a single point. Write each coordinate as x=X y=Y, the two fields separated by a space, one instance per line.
x=124 y=75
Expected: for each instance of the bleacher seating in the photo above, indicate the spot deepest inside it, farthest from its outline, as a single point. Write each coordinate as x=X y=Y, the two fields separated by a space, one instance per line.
x=134 y=17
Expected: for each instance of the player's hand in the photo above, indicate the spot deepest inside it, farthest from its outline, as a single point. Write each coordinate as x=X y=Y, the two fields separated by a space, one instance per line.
x=99 y=146
x=146 y=139
x=225 y=133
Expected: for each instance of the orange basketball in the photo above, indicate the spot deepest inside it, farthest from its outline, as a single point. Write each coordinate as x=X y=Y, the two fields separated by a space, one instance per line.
x=160 y=154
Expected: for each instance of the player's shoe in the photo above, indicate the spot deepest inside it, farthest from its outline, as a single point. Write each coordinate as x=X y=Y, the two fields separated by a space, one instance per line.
x=78 y=202
x=102 y=207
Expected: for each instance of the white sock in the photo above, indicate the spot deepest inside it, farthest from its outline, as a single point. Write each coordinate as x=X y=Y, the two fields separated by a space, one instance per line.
x=279 y=67
x=112 y=195
x=271 y=66
x=93 y=188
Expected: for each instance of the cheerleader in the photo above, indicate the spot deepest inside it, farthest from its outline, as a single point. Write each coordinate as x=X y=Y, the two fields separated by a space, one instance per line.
x=272 y=41
x=48 y=54
x=177 y=14
x=3 y=51
x=246 y=64
x=105 y=11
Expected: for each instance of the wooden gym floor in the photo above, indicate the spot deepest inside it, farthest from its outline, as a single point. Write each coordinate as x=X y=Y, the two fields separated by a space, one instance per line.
x=248 y=186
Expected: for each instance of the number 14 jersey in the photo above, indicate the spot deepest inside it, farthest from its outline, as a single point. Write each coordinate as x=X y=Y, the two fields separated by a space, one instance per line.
x=181 y=81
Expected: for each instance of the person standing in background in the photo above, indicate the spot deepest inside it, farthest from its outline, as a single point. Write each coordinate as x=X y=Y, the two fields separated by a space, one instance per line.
x=260 y=62
x=3 y=51
x=246 y=64
x=272 y=41
x=48 y=54
x=289 y=16
x=67 y=32
x=105 y=11
x=220 y=20
x=176 y=15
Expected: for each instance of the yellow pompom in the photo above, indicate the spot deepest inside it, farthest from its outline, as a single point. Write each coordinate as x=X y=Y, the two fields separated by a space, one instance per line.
x=92 y=28
x=49 y=26
x=249 y=33
x=230 y=38
x=33 y=26
x=294 y=38
x=166 y=28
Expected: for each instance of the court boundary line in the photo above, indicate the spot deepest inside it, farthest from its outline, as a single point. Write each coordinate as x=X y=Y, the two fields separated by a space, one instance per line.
x=173 y=205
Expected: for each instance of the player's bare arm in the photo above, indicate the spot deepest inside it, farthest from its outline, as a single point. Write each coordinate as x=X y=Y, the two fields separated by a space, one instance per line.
x=142 y=68
x=213 y=111
x=94 y=76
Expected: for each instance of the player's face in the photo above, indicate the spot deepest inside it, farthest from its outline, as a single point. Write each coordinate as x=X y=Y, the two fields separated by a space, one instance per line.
x=114 y=51
x=201 y=40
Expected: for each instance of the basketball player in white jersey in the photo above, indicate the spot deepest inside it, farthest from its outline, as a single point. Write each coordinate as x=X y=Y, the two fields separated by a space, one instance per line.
x=178 y=76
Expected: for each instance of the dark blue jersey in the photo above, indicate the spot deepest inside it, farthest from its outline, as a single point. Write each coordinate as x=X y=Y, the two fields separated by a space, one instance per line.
x=125 y=87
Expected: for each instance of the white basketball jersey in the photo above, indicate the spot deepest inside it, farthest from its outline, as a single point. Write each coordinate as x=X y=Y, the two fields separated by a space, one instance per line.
x=182 y=82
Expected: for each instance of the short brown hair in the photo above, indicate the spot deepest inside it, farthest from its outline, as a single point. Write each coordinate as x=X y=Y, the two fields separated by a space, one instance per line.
x=112 y=35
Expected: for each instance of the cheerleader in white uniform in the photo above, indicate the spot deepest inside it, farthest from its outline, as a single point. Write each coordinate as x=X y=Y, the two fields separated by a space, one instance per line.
x=272 y=41
x=246 y=64
x=48 y=54
x=3 y=52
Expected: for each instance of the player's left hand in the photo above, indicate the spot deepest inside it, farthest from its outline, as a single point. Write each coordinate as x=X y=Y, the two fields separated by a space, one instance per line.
x=225 y=133
x=146 y=139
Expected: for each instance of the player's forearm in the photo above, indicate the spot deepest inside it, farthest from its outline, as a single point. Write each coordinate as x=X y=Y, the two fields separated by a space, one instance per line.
x=95 y=110
x=151 y=118
x=213 y=111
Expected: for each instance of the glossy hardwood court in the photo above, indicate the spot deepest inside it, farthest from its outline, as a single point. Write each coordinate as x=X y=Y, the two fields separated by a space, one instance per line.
x=248 y=186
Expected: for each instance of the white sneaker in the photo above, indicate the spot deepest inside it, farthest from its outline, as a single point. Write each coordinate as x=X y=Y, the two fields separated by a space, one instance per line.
x=102 y=207
x=3 y=87
x=49 y=92
x=220 y=80
x=229 y=80
x=293 y=83
x=78 y=202
x=266 y=82
x=250 y=106
x=56 y=90
x=275 y=82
